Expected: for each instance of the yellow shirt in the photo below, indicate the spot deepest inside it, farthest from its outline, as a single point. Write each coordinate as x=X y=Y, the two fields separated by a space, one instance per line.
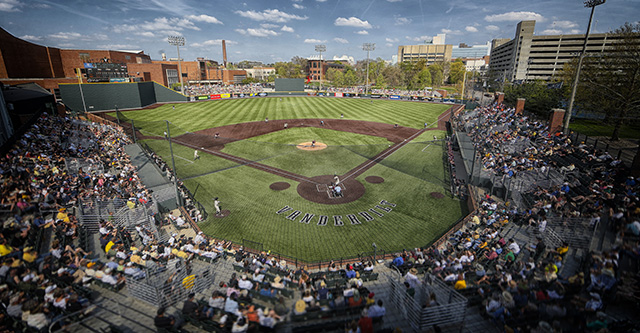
x=562 y=250
x=63 y=216
x=108 y=247
x=5 y=249
x=461 y=284
x=29 y=257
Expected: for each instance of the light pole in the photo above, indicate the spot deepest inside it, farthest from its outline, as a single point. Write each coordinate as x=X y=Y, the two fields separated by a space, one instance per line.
x=368 y=47
x=321 y=48
x=178 y=41
x=173 y=164
x=567 y=117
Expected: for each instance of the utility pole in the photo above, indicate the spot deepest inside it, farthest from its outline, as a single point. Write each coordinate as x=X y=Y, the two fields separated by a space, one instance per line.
x=178 y=41
x=368 y=47
x=567 y=117
x=321 y=48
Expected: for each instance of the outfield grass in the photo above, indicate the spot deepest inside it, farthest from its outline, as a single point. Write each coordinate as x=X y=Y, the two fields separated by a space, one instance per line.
x=193 y=117
x=593 y=127
x=411 y=174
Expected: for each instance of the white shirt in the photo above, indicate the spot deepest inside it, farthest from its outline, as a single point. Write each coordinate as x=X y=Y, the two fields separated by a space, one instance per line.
x=245 y=284
x=514 y=247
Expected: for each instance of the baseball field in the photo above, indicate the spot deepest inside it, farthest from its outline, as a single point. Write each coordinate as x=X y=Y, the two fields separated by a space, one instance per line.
x=271 y=161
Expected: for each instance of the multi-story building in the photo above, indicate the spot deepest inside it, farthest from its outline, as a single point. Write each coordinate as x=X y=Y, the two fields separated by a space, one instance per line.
x=25 y=62
x=204 y=71
x=260 y=73
x=540 y=57
x=429 y=52
x=317 y=69
x=470 y=52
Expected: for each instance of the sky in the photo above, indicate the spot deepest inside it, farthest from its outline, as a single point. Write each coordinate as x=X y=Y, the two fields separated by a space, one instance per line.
x=277 y=30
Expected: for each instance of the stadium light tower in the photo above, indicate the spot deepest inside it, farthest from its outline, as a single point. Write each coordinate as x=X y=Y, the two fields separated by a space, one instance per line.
x=178 y=41
x=368 y=47
x=321 y=48
x=567 y=117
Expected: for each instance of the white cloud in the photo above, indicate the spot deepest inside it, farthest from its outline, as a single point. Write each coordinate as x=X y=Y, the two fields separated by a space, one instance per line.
x=451 y=32
x=287 y=29
x=31 y=38
x=394 y=0
x=161 y=25
x=268 y=25
x=574 y=31
x=10 y=5
x=41 y=5
x=204 y=18
x=270 y=15
x=552 y=32
x=117 y=47
x=145 y=34
x=78 y=36
x=258 y=32
x=341 y=40
x=314 y=41
x=492 y=27
x=298 y=6
x=564 y=24
x=388 y=45
x=471 y=29
x=352 y=22
x=321 y=0
x=362 y=32
x=212 y=42
x=391 y=40
x=66 y=45
x=419 y=39
x=402 y=20
x=514 y=16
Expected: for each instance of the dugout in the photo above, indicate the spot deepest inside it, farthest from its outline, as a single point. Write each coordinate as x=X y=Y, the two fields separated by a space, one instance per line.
x=106 y=96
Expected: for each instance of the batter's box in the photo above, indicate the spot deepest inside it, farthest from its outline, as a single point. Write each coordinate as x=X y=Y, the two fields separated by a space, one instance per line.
x=322 y=187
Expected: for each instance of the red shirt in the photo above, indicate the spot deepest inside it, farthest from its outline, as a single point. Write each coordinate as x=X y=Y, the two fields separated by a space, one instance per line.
x=366 y=325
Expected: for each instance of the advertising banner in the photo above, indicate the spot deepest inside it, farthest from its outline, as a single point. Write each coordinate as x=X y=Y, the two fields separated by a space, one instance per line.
x=202 y=97
x=119 y=79
x=339 y=94
x=262 y=94
x=376 y=96
x=223 y=96
x=394 y=97
x=88 y=65
x=215 y=96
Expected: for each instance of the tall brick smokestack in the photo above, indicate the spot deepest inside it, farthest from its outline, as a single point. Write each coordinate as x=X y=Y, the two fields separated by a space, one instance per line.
x=224 y=53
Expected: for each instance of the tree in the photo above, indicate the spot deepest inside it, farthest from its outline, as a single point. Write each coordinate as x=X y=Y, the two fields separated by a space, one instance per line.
x=299 y=61
x=610 y=83
x=380 y=81
x=437 y=74
x=393 y=76
x=456 y=72
x=541 y=98
x=288 y=70
x=335 y=76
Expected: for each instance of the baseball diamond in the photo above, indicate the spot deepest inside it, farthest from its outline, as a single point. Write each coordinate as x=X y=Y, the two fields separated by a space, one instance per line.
x=287 y=198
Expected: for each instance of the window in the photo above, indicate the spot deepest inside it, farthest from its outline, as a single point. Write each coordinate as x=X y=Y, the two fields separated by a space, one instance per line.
x=127 y=57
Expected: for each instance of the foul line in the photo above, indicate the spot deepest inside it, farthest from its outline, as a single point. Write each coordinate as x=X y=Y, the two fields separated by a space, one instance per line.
x=178 y=156
x=385 y=154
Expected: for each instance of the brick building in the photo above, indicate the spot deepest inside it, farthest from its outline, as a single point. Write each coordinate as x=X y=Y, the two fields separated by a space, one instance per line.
x=165 y=74
x=25 y=62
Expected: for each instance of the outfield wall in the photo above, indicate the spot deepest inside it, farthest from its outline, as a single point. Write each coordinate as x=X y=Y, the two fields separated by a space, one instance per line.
x=108 y=96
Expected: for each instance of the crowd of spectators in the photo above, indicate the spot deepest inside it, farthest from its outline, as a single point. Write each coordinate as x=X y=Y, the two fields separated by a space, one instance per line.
x=223 y=89
x=390 y=91
x=519 y=285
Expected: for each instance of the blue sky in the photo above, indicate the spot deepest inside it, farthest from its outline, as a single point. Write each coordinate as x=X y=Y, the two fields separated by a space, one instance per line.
x=277 y=30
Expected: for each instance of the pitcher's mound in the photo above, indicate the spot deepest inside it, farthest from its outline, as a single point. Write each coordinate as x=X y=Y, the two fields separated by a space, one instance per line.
x=307 y=146
x=279 y=186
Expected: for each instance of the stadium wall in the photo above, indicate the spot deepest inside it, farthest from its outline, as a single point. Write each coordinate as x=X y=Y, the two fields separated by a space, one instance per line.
x=108 y=96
